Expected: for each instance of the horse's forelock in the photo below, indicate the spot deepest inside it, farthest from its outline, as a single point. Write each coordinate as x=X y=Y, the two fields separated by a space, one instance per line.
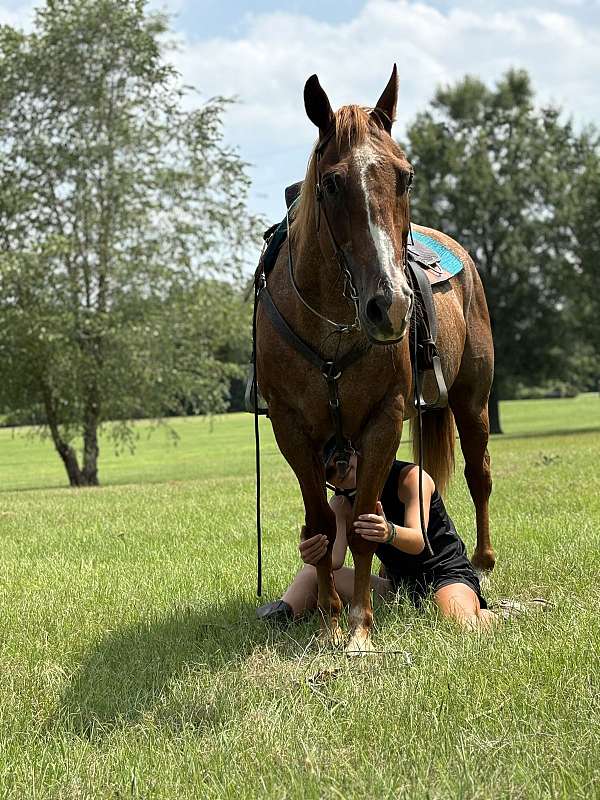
x=354 y=125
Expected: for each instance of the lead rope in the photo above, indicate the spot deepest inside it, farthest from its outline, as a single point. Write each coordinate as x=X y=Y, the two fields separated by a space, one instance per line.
x=256 y=450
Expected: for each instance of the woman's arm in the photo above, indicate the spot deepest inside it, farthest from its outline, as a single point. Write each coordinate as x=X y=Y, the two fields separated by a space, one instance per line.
x=407 y=537
x=411 y=535
x=341 y=508
x=312 y=550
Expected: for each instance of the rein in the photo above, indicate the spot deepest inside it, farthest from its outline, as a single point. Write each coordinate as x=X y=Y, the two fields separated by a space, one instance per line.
x=256 y=453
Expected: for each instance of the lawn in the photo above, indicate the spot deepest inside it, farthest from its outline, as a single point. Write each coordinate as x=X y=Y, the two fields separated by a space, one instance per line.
x=133 y=667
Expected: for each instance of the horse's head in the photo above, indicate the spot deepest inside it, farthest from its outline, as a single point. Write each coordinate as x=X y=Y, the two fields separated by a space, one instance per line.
x=362 y=179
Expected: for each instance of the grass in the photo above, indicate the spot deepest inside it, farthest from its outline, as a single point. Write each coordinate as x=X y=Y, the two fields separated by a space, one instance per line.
x=133 y=667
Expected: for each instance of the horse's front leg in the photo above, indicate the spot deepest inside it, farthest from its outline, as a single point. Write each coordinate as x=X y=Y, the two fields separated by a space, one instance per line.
x=328 y=602
x=298 y=450
x=378 y=446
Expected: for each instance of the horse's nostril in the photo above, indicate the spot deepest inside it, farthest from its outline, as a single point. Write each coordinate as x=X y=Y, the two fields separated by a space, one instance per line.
x=376 y=310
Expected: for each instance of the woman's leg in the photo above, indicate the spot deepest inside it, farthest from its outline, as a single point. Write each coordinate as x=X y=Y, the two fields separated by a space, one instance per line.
x=344 y=583
x=302 y=592
x=458 y=602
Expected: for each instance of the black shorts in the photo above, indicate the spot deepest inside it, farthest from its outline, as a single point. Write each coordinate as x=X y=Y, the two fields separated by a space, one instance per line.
x=419 y=588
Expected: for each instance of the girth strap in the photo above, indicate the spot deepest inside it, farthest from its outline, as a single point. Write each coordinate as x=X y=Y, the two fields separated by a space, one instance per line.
x=427 y=297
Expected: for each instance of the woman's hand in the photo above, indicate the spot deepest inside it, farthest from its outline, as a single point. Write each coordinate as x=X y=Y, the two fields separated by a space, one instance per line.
x=312 y=550
x=373 y=527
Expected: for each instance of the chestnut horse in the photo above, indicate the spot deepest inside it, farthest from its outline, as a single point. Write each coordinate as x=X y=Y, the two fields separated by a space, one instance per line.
x=354 y=209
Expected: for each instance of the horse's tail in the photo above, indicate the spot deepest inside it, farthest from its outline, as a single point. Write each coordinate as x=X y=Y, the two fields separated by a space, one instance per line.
x=438 y=445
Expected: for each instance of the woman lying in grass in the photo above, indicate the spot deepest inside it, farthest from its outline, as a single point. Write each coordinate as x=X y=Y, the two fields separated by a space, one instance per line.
x=447 y=574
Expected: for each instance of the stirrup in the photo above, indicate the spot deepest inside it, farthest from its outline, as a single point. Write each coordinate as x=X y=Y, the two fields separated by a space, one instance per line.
x=441 y=400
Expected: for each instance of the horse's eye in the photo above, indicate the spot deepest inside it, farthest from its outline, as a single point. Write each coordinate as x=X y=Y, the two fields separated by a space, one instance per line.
x=330 y=184
x=404 y=181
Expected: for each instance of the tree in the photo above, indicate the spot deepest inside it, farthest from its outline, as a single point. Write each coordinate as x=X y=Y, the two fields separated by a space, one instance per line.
x=497 y=174
x=119 y=209
x=581 y=280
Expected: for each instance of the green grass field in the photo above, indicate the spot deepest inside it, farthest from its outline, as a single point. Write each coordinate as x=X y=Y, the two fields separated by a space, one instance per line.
x=133 y=667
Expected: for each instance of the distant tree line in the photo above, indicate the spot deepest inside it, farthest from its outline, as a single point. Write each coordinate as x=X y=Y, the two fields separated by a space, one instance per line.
x=519 y=187
x=124 y=229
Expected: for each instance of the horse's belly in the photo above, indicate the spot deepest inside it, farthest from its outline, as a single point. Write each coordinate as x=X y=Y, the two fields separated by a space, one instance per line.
x=452 y=330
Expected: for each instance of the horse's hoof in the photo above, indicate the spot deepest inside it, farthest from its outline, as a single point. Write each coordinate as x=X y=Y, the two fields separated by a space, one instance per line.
x=332 y=635
x=483 y=561
x=483 y=578
x=360 y=644
x=337 y=637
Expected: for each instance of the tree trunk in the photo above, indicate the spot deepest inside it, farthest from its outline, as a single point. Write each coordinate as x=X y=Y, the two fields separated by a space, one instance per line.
x=67 y=454
x=69 y=459
x=65 y=451
x=91 y=448
x=494 y=411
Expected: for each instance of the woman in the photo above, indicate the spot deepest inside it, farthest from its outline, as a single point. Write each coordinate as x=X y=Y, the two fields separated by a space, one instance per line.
x=396 y=529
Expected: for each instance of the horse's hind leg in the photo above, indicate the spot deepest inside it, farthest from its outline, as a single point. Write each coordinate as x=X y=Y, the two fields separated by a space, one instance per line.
x=473 y=430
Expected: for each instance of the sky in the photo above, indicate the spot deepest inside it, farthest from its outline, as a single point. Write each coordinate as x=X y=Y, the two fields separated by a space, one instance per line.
x=262 y=52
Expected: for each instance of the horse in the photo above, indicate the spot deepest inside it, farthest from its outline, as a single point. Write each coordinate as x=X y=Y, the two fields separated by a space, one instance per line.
x=346 y=293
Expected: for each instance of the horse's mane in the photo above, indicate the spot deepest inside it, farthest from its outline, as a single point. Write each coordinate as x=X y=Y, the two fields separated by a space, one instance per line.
x=353 y=126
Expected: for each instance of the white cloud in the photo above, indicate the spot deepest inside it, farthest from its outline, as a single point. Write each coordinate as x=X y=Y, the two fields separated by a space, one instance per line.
x=267 y=66
x=168 y=6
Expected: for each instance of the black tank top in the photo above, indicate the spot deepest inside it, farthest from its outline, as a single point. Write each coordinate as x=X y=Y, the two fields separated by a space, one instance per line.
x=445 y=541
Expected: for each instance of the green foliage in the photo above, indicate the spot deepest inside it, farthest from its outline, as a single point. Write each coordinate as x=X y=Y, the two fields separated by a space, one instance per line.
x=502 y=177
x=123 y=228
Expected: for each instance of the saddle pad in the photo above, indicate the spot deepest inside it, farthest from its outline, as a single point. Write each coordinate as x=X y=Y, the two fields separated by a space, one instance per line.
x=445 y=266
x=275 y=237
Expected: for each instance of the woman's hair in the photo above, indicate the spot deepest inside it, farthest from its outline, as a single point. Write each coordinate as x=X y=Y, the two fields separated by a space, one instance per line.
x=333 y=465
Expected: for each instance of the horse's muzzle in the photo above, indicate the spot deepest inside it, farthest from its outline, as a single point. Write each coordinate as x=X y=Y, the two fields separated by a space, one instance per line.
x=386 y=315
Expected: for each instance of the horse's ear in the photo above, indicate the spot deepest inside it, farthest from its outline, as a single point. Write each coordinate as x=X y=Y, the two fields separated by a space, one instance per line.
x=317 y=104
x=387 y=102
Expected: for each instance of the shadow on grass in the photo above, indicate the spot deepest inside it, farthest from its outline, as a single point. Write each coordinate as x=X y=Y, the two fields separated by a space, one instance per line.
x=128 y=678
x=132 y=669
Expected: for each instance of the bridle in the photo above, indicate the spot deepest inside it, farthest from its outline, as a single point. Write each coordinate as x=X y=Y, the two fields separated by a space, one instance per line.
x=349 y=291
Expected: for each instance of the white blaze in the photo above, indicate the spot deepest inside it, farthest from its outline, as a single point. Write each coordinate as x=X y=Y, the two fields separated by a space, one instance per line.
x=365 y=157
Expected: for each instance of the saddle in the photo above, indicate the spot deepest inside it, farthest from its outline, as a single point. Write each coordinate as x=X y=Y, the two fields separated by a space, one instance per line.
x=430 y=263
